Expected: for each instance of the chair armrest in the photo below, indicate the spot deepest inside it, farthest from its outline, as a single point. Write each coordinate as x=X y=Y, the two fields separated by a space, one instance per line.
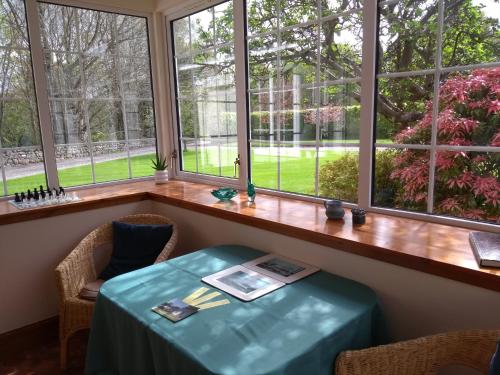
x=422 y=356
x=76 y=270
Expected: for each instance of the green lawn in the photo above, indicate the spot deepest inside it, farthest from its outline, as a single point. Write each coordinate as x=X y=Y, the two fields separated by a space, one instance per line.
x=297 y=168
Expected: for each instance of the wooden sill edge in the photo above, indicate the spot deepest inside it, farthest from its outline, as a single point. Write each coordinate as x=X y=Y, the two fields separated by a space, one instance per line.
x=439 y=268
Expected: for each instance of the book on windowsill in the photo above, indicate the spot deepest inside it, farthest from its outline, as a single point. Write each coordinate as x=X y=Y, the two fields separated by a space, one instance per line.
x=486 y=248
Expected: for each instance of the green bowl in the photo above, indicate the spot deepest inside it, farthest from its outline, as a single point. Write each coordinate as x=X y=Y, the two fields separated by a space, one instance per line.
x=224 y=194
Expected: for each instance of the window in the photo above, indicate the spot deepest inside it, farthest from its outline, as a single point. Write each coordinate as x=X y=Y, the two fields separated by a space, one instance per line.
x=84 y=112
x=99 y=89
x=431 y=69
x=438 y=134
x=205 y=91
x=21 y=156
x=304 y=87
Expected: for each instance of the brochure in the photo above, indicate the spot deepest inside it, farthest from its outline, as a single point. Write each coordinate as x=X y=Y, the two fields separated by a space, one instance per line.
x=175 y=310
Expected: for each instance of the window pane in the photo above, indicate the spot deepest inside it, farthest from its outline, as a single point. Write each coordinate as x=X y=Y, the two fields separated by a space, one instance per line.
x=468 y=108
x=471 y=32
x=404 y=110
x=468 y=185
x=401 y=179
x=100 y=93
x=206 y=94
x=21 y=156
x=407 y=35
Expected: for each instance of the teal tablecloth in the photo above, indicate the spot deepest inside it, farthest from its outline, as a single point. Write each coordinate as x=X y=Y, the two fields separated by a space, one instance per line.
x=298 y=329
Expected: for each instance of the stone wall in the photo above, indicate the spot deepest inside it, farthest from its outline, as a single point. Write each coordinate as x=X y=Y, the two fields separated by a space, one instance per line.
x=32 y=155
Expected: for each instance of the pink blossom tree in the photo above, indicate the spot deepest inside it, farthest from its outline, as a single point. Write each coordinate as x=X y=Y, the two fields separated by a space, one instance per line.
x=467 y=184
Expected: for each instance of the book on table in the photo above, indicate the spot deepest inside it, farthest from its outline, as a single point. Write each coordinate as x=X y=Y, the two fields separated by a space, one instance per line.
x=486 y=248
x=260 y=276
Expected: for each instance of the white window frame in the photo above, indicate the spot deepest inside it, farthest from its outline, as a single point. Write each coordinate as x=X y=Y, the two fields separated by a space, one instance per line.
x=367 y=146
x=41 y=85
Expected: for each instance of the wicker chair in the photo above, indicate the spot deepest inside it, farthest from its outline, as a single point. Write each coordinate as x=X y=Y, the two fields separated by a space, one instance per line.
x=422 y=356
x=83 y=265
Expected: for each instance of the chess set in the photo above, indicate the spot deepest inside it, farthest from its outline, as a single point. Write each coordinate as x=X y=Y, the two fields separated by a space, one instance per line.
x=40 y=197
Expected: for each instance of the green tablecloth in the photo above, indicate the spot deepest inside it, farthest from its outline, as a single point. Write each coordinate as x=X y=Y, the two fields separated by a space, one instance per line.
x=298 y=329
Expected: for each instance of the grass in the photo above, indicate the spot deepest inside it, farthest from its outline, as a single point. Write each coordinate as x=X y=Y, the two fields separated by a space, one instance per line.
x=297 y=169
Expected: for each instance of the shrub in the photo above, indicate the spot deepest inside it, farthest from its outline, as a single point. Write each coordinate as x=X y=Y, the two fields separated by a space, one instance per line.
x=467 y=184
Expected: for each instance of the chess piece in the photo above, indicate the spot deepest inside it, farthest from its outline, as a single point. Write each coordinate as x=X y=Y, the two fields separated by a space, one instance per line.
x=42 y=192
x=61 y=191
x=17 y=198
x=36 y=196
x=23 y=196
x=56 y=192
x=49 y=192
x=30 y=195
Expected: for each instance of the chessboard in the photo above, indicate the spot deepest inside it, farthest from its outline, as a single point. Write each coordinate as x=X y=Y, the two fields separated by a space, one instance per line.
x=42 y=197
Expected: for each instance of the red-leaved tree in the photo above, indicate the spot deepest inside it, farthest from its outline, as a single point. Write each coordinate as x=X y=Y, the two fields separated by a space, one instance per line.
x=467 y=183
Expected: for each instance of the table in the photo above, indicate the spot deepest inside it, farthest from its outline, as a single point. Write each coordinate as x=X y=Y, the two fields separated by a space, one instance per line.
x=298 y=329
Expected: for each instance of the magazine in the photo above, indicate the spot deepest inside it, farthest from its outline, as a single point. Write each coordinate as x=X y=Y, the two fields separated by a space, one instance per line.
x=175 y=310
x=260 y=276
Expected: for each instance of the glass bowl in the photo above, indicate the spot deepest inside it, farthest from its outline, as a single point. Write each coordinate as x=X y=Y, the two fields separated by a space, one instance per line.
x=224 y=194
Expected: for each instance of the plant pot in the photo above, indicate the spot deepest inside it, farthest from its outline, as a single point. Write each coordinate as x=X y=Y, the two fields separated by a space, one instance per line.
x=161 y=177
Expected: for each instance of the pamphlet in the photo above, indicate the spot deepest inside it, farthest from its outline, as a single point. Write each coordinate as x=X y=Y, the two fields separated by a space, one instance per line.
x=175 y=310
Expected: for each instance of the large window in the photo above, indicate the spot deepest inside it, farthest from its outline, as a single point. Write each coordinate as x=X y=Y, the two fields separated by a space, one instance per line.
x=438 y=128
x=92 y=79
x=427 y=73
x=21 y=156
x=205 y=91
x=99 y=88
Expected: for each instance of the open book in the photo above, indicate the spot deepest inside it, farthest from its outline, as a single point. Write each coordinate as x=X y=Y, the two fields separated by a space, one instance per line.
x=260 y=276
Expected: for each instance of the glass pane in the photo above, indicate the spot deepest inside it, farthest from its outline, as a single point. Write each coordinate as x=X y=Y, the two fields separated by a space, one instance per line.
x=140 y=119
x=132 y=36
x=264 y=158
x=407 y=35
x=294 y=12
x=106 y=120
x=73 y=164
x=471 y=32
x=404 y=110
x=15 y=75
x=58 y=27
x=298 y=52
x=330 y=7
x=68 y=123
x=142 y=152
x=468 y=108
x=182 y=43
x=467 y=185
x=102 y=79
x=202 y=29
x=63 y=75
x=341 y=41
x=339 y=119
x=110 y=161
x=224 y=23
x=188 y=128
x=136 y=79
x=24 y=169
x=262 y=62
x=261 y=16
x=13 y=32
x=97 y=32
x=401 y=179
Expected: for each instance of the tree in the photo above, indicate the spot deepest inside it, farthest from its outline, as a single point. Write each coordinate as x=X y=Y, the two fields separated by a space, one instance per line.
x=467 y=184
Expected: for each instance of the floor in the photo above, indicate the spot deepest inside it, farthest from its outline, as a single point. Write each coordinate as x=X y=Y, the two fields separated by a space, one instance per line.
x=42 y=358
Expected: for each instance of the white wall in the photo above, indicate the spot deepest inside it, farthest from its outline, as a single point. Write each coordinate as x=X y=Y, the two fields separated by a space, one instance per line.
x=29 y=253
x=414 y=303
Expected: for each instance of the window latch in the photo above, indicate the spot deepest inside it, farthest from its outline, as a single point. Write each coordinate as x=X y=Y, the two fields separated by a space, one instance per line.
x=236 y=163
x=173 y=156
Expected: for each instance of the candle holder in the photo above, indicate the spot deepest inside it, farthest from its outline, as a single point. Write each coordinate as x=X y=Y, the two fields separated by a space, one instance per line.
x=358 y=216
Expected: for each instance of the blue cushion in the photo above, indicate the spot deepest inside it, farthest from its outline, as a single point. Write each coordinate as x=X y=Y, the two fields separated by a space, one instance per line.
x=135 y=246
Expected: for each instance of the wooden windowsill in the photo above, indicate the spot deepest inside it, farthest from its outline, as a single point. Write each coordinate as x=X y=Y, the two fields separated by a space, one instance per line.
x=428 y=247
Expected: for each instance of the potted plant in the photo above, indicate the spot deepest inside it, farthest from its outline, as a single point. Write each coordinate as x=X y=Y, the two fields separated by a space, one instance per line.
x=160 y=166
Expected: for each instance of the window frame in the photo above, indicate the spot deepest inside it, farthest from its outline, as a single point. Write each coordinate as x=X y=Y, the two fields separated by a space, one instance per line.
x=367 y=144
x=42 y=94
